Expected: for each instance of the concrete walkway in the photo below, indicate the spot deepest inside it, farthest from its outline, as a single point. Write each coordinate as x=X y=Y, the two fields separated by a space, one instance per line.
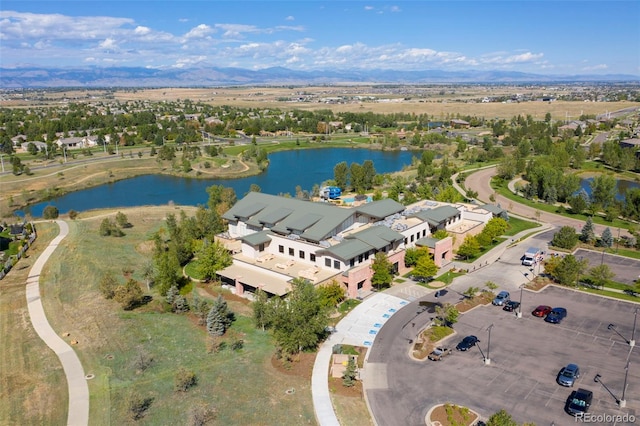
x=358 y=328
x=78 y=389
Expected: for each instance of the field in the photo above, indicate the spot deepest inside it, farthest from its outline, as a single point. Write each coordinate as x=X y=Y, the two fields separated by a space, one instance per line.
x=30 y=374
x=435 y=100
x=242 y=386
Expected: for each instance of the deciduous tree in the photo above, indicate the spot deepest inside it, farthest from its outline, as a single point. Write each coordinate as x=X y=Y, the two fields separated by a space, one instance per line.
x=382 y=268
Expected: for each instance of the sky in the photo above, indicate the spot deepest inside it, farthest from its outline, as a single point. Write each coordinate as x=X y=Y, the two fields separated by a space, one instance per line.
x=542 y=37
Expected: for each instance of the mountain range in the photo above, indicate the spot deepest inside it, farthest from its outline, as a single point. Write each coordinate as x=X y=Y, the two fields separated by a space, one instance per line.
x=94 y=77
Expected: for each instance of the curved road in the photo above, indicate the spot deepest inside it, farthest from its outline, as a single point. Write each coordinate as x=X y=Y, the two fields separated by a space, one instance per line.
x=77 y=383
x=480 y=182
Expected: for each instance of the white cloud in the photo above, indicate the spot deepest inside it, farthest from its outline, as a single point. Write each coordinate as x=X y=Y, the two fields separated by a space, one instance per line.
x=200 y=31
x=289 y=18
x=140 y=30
x=108 y=44
x=369 y=8
x=598 y=67
x=395 y=9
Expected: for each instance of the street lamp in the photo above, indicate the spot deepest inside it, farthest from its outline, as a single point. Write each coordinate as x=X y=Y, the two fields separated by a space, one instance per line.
x=487 y=360
x=519 y=313
x=622 y=402
x=631 y=342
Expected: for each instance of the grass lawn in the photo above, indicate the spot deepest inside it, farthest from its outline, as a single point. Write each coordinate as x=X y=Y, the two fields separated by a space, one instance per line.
x=242 y=386
x=501 y=188
x=518 y=225
x=31 y=377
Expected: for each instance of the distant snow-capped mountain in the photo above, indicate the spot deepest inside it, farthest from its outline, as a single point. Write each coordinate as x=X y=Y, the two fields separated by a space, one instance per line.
x=36 y=77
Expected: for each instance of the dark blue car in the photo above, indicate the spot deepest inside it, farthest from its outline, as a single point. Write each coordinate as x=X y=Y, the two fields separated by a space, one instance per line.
x=556 y=315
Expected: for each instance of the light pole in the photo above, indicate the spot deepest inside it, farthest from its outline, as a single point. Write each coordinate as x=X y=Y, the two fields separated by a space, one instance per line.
x=487 y=360
x=519 y=315
x=2 y=161
x=623 y=401
x=631 y=342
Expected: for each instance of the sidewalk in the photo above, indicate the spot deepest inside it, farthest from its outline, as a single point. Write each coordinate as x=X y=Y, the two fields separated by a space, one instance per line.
x=78 y=414
x=358 y=328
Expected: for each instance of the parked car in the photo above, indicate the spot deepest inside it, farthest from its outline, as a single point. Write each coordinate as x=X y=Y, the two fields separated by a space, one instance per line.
x=438 y=353
x=568 y=375
x=467 y=343
x=511 y=306
x=541 y=311
x=501 y=298
x=556 y=315
x=578 y=402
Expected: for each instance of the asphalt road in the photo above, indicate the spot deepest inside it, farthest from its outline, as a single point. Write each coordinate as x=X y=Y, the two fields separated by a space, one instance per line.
x=526 y=355
x=480 y=182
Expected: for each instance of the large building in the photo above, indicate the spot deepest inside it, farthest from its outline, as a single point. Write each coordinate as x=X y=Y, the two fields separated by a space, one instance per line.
x=276 y=239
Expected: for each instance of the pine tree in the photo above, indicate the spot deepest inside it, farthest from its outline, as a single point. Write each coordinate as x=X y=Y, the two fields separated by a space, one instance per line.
x=215 y=322
x=606 y=240
x=219 y=317
x=171 y=294
x=588 y=235
x=350 y=373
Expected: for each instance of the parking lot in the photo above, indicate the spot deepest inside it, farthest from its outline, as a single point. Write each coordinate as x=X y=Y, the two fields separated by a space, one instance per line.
x=526 y=355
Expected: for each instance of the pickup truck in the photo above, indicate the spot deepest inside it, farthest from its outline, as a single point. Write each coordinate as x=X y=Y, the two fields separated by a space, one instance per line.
x=439 y=353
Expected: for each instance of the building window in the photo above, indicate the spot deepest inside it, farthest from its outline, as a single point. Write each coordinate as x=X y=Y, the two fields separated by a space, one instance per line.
x=327 y=262
x=312 y=257
x=352 y=262
x=261 y=247
x=301 y=254
x=424 y=232
x=292 y=252
x=336 y=264
x=280 y=249
x=366 y=256
x=406 y=241
x=412 y=238
x=360 y=259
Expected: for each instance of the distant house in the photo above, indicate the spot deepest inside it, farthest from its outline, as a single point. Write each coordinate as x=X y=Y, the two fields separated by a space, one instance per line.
x=77 y=142
x=42 y=146
x=459 y=124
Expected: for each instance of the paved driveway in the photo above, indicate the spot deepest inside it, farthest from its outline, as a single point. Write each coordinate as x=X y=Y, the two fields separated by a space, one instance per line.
x=526 y=355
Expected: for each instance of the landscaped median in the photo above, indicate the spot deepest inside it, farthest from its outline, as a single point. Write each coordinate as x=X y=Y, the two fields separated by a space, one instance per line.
x=451 y=415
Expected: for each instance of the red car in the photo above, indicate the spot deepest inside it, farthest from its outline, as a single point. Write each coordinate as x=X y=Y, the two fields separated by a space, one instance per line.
x=541 y=311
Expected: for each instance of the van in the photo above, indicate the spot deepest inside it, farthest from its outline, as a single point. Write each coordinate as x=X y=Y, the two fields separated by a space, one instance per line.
x=531 y=256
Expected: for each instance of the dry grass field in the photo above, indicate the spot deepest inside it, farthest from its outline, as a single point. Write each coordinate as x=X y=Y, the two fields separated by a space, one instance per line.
x=242 y=386
x=435 y=100
x=32 y=382
x=455 y=100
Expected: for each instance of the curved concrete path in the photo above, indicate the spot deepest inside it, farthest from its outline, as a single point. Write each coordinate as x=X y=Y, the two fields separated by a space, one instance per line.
x=78 y=414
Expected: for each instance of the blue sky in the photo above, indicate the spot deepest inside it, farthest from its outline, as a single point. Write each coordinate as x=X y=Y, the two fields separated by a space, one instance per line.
x=543 y=37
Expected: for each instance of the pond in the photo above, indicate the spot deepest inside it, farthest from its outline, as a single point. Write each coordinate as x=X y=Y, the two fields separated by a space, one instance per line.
x=286 y=170
x=622 y=186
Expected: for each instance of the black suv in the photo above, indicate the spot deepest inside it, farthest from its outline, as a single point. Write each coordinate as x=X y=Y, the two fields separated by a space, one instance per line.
x=578 y=402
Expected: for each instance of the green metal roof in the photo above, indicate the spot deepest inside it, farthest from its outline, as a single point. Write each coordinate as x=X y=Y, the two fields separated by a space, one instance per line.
x=348 y=249
x=314 y=221
x=373 y=238
x=438 y=215
x=381 y=208
x=427 y=242
x=257 y=238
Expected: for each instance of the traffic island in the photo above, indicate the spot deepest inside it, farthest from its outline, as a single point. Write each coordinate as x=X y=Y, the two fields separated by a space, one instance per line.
x=450 y=415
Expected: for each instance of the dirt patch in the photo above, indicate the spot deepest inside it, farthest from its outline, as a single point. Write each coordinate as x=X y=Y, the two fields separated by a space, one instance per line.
x=336 y=387
x=301 y=365
x=483 y=298
x=449 y=415
x=538 y=283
